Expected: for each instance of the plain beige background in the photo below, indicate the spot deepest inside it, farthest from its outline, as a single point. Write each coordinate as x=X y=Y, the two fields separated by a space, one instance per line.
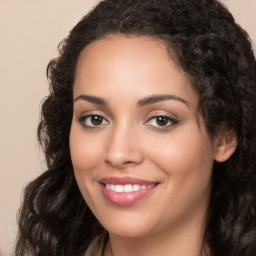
x=29 y=34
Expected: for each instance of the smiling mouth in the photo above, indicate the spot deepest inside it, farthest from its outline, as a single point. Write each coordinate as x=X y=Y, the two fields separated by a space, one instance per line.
x=126 y=191
x=128 y=187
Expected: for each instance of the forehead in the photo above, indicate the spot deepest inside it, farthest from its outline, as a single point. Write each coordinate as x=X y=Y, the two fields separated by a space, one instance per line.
x=125 y=64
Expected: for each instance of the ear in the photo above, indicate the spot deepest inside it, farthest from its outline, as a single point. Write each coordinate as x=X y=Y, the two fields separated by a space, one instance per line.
x=226 y=146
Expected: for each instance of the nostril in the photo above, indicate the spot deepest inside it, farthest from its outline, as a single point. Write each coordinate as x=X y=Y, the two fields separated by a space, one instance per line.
x=128 y=162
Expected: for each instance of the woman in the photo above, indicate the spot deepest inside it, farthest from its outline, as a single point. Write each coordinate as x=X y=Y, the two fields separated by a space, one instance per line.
x=149 y=134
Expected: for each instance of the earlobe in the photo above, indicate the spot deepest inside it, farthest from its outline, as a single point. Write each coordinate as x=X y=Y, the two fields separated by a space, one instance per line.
x=227 y=143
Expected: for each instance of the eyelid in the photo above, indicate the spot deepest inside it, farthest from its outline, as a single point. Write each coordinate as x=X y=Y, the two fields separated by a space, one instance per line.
x=174 y=121
x=157 y=113
x=82 y=117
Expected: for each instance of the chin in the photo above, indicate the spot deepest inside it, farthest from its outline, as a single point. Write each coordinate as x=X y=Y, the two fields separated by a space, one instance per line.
x=128 y=226
x=128 y=231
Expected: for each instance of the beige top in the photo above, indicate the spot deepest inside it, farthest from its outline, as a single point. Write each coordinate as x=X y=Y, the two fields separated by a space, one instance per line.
x=97 y=246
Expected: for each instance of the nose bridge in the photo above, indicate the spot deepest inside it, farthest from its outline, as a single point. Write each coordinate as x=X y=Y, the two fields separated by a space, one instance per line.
x=122 y=146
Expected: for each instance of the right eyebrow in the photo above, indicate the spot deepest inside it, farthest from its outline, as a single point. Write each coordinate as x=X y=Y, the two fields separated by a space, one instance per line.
x=92 y=99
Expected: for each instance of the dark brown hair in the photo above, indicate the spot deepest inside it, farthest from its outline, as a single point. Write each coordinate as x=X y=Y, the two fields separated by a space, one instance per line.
x=217 y=54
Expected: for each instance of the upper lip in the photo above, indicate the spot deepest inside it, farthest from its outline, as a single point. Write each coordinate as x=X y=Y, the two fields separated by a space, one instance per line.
x=125 y=180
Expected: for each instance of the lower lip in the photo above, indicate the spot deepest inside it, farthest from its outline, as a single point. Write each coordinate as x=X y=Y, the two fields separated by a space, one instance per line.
x=125 y=198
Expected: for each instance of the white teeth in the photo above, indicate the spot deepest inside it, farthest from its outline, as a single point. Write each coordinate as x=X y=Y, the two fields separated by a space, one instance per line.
x=119 y=188
x=127 y=187
x=135 y=187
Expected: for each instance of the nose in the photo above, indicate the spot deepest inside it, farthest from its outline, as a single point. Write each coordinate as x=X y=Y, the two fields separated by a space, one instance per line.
x=123 y=148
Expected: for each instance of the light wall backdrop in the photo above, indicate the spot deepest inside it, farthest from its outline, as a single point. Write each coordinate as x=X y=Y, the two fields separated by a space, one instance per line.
x=29 y=34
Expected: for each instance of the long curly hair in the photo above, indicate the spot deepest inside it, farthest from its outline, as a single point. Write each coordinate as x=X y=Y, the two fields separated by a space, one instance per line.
x=217 y=55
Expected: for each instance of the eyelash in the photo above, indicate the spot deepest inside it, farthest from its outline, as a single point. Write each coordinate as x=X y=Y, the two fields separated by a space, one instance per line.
x=170 y=121
x=83 y=120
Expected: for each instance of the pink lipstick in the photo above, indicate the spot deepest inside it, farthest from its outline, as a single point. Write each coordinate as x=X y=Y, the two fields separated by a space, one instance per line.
x=126 y=190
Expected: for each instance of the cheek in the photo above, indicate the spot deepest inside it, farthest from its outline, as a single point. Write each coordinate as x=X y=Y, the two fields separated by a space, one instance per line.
x=84 y=149
x=179 y=151
x=187 y=168
x=186 y=158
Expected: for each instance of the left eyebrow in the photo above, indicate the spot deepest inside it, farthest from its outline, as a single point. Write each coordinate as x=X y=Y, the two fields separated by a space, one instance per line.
x=156 y=98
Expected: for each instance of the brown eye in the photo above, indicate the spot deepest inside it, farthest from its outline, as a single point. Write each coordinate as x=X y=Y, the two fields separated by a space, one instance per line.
x=96 y=120
x=162 y=121
x=93 y=121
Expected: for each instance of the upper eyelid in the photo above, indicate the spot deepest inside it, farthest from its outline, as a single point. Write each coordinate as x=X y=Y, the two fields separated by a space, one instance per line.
x=166 y=116
x=92 y=113
x=161 y=115
x=82 y=121
x=171 y=116
x=86 y=114
x=157 y=113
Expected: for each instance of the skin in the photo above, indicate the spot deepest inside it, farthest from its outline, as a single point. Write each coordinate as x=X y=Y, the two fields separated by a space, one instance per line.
x=129 y=142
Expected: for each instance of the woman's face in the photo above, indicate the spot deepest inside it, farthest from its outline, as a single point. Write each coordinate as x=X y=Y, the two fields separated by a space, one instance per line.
x=141 y=154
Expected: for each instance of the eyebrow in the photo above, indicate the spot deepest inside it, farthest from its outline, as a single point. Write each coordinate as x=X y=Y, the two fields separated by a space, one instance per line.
x=157 y=98
x=92 y=99
x=145 y=101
